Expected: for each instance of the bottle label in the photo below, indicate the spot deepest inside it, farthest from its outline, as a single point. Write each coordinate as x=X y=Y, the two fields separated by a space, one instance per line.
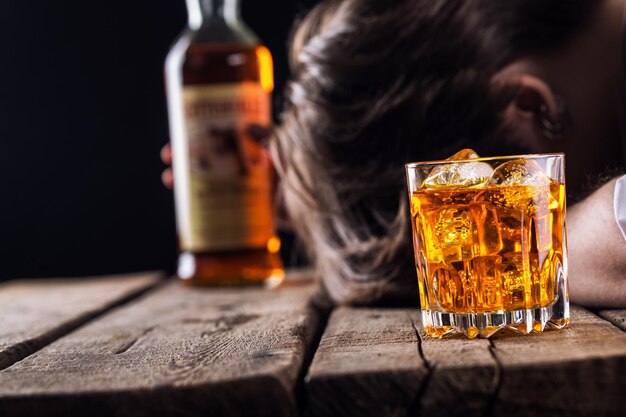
x=230 y=177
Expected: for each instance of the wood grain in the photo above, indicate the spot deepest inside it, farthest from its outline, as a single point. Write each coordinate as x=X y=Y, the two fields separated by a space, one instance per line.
x=463 y=378
x=370 y=364
x=175 y=351
x=617 y=317
x=34 y=313
x=367 y=364
x=580 y=371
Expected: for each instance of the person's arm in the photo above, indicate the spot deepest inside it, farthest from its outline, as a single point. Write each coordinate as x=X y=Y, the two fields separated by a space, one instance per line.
x=597 y=252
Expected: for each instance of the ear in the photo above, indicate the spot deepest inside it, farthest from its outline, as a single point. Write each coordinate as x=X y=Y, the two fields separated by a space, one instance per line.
x=525 y=116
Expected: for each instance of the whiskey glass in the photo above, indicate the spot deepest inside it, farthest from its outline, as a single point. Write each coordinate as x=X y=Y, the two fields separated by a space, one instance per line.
x=490 y=243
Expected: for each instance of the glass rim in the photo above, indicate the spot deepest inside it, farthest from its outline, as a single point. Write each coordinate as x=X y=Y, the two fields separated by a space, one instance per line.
x=412 y=165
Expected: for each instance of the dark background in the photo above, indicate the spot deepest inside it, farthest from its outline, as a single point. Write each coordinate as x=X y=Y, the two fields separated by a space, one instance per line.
x=82 y=121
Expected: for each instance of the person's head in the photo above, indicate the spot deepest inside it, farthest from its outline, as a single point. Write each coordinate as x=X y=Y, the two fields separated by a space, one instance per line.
x=378 y=83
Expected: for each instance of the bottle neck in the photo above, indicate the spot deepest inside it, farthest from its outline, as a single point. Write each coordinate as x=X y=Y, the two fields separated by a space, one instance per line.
x=204 y=11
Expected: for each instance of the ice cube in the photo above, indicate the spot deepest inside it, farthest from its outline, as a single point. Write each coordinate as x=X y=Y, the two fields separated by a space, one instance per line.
x=464 y=154
x=519 y=172
x=485 y=229
x=451 y=230
x=515 y=275
x=486 y=270
x=525 y=188
x=445 y=286
x=459 y=174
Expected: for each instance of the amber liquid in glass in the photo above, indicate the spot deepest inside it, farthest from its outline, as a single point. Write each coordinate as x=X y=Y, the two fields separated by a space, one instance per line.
x=213 y=63
x=489 y=249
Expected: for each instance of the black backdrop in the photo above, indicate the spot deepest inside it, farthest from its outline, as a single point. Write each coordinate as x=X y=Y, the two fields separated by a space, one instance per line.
x=82 y=120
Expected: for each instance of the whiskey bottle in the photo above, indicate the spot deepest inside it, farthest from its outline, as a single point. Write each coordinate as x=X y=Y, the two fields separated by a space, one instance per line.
x=219 y=80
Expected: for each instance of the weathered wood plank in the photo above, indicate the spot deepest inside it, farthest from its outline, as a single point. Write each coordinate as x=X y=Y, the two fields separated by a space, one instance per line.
x=617 y=317
x=463 y=378
x=367 y=364
x=580 y=371
x=174 y=351
x=34 y=313
x=370 y=362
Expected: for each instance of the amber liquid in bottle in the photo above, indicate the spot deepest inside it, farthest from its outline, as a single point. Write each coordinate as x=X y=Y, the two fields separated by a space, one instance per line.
x=225 y=223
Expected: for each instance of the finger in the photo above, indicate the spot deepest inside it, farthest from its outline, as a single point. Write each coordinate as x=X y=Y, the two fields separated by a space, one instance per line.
x=166 y=154
x=168 y=178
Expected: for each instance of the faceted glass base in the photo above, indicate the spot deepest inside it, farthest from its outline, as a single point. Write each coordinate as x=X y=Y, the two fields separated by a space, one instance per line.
x=535 y=320
x=472 y=325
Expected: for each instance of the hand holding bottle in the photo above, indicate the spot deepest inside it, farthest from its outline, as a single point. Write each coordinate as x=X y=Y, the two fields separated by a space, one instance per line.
x=167 y=176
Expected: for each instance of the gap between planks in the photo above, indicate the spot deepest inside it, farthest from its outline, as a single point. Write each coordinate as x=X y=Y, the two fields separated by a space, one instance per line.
x=575 y=371
x=416 y=403
x=239 y=351
x=323 y=314
x=463 y=376
x=578 y=371
x=368 y=364
x=138 y=284
x=497 y=381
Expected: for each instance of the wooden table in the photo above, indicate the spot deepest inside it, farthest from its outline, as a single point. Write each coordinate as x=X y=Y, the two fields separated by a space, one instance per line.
x=142 y=345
